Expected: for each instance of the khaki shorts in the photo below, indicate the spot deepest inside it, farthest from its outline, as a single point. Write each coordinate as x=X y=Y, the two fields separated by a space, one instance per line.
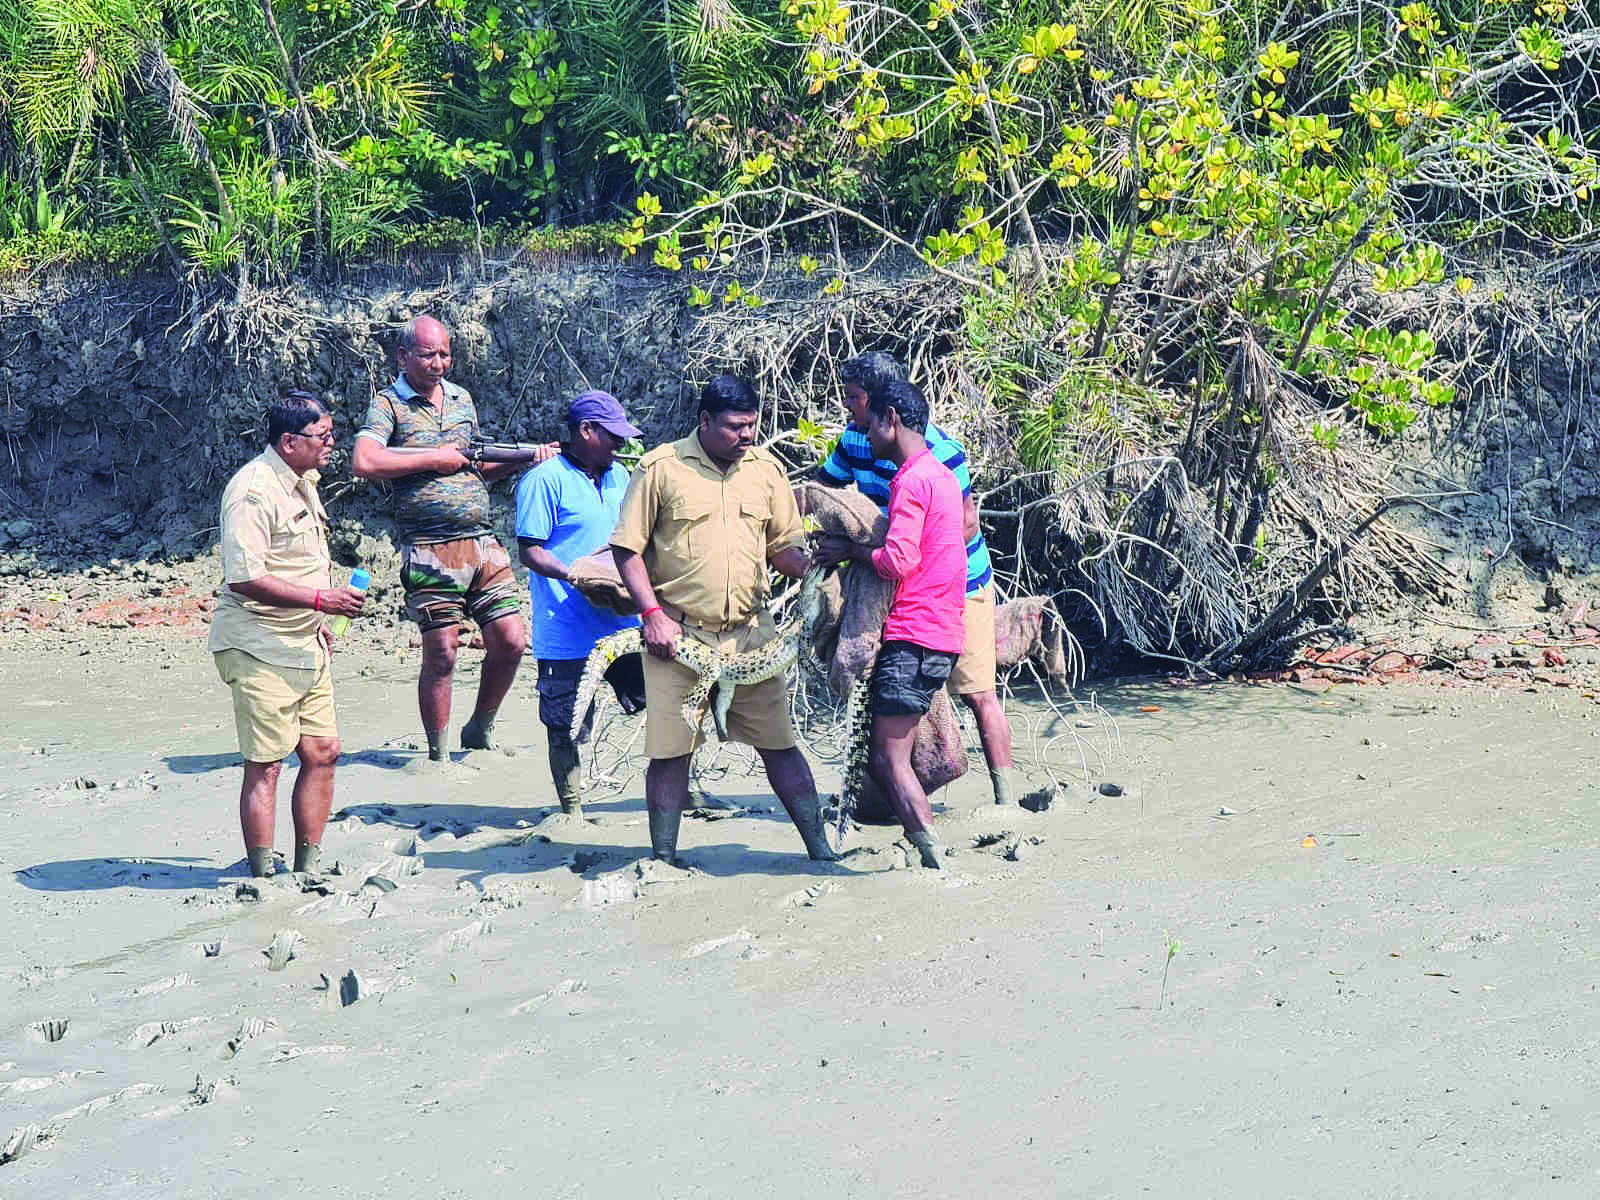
x=974 y=670
x=759 y=715
x=447 y=582
x=274 y=707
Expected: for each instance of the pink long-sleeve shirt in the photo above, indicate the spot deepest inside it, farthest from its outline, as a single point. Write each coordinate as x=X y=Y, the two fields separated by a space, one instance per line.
x=926 y=554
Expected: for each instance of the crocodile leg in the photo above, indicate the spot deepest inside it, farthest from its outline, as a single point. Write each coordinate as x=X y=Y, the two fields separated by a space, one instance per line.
x=721 y=702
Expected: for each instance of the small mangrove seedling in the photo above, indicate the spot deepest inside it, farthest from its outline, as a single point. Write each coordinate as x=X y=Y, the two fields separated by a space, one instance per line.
x=1173 y=946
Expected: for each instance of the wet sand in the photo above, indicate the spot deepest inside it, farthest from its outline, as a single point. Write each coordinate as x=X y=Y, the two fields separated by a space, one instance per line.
x=1405 y=1007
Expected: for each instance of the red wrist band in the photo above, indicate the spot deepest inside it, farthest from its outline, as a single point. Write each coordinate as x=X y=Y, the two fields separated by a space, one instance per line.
x=648 y=611
x=316 y=599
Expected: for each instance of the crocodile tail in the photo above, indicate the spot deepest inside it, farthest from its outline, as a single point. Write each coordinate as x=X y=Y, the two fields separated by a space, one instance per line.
x=606 y=651
x=858 y=732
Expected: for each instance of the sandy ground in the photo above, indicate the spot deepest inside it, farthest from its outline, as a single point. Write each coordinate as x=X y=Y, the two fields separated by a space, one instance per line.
x=1406 y=1007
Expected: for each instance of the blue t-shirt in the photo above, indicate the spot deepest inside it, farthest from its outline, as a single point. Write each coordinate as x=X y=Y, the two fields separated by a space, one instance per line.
x=559 y=505
x=851 y=462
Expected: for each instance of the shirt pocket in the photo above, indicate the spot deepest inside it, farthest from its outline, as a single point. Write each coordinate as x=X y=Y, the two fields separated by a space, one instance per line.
x=298 y=536
x=750 y=542
x=694 y=525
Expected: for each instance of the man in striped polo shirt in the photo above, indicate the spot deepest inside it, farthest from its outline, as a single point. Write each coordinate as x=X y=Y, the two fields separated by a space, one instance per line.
x=852 y=461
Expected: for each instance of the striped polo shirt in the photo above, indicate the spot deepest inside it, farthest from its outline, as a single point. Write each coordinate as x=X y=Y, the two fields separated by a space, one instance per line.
x=851 y=461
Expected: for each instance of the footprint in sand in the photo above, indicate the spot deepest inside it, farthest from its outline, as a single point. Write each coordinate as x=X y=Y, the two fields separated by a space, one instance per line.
x=151 y=1032
x=29 y=1137
x=210 y=1091
x=345 y=992
x=808 y=897
x=285 y=1054
x=460 y=939
x=155 y=988
x=281 y=952
x=565 y=988
x=22 y=1140
x=38 y=1083
x=631 y=882
x=330 y=904
x=52 y=1030
x=396 y=867
x=700 y=949
x=249 y=1029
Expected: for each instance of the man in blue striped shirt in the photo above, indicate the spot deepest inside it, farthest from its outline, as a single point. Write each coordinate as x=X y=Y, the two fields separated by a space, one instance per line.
x=852 y=461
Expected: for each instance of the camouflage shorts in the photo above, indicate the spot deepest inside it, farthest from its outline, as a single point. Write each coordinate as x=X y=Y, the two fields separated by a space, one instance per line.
x=447 y=582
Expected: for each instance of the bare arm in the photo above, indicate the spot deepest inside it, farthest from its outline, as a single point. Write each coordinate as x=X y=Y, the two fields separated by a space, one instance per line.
x=371 y=460
x=969 y=518
x=499 y=470
x=792 y=561
x=835 y=548
x=660 y=631
x=496 y=468
x=268 y=589
x=540 y=561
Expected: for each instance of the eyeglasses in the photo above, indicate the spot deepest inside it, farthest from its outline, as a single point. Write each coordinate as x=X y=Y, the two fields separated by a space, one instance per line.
x=325 y=438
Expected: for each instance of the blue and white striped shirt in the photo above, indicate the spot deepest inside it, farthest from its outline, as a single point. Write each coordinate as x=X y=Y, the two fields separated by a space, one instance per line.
x=851 y=461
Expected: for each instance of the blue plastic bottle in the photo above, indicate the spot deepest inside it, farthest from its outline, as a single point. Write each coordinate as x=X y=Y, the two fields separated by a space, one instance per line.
x=359 y=580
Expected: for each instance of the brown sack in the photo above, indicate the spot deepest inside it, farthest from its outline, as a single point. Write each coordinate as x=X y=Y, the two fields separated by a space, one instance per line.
x=595 y=576
x=850 y=645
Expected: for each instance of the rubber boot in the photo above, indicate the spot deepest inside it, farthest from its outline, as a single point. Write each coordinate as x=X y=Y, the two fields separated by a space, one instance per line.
x=664 y=828
x=307 y=856
x=1001 y=778
x=928 y=847
x=478 y=734
x=260 y=860
x=807 y=816
x=564 y=770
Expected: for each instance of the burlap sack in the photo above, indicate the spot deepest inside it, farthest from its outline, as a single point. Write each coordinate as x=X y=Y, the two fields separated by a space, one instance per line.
x=850 y=646
x=595 y=576
x=1028 y=628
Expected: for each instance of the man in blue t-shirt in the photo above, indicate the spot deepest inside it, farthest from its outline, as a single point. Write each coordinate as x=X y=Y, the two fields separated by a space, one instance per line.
x=566 y=509
x=852 y=461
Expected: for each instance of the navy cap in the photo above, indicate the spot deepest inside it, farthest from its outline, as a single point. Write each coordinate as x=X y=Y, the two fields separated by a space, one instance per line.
x=601 y=408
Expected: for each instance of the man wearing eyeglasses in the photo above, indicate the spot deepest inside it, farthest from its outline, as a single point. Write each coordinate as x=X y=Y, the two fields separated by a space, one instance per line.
x=267 y=635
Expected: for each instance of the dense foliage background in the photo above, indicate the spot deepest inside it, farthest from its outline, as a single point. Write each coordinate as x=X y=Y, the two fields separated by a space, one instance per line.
x=1158 y=256
x=224 y=132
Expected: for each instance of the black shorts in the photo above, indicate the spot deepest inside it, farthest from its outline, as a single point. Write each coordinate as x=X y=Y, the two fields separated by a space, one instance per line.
x=905 y=677
x=558 y=689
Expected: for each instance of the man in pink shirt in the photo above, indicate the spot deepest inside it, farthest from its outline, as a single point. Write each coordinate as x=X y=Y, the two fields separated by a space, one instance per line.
x=925 y=553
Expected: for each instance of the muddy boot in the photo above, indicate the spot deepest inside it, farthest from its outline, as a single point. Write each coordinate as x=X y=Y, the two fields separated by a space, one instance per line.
x=478 y=734
x=260 y=860
x=927 y=847
x=564 y=770
x=1001 y=778
x=307 y=856
x=664 y=828
x=806 y=813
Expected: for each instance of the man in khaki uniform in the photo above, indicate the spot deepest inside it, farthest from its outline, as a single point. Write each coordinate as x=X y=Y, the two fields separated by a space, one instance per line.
x=267 y=635
x=702 y=518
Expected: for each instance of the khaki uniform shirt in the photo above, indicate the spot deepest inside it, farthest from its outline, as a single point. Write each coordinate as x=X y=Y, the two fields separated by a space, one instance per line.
x=706 y=537
x=273 y=523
